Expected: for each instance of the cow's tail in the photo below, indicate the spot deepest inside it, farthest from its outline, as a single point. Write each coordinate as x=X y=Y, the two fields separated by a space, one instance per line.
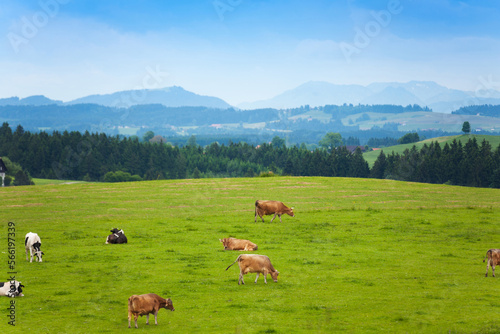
x=234 y=262
x=488 y=255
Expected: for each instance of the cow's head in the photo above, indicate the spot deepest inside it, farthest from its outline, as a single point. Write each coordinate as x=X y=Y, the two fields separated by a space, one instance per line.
x=38 y=252
x=169 y=305
x=111 y=239
x=39 y=255
x=19 y=289
x=289 y=212
x=225 y=242
x=15 y=289
x=115 y=230
x=274 y=275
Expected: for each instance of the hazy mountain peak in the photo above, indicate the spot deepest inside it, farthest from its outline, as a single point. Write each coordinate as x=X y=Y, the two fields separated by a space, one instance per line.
x=35 y=100
x=174 y=96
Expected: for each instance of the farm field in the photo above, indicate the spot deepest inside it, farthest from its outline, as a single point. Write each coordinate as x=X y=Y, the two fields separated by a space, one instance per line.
x=360 y=256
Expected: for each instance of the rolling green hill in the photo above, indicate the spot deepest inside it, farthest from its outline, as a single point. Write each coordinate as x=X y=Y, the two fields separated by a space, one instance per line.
x=417 y=121
x=371 y=156
x=360 y=256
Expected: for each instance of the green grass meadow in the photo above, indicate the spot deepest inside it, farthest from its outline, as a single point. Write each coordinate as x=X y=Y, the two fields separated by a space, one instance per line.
x=360 y=256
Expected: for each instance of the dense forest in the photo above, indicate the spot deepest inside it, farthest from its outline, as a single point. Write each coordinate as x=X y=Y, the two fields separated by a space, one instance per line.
x=99 y=157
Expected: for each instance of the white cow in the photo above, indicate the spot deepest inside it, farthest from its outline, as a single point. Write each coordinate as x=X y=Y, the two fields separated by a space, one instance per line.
x=33 y=244
x=11 y=289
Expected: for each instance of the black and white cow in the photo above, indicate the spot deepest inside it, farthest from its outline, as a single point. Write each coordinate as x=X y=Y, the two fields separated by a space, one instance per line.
x=11 y=289
x=118 y=237
x=33 y=244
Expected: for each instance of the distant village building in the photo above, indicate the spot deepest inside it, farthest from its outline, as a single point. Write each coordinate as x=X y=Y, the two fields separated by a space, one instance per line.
x=3 y=170
x=352 y=148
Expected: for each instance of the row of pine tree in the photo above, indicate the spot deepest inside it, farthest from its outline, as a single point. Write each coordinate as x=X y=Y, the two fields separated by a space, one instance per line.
x=99 y=157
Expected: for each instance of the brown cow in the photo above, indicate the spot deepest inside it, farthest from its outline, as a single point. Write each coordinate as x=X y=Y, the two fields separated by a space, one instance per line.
x=238 y=244
x=253 y=263
x=264 y=208
x=139 y=305
x=493 y=256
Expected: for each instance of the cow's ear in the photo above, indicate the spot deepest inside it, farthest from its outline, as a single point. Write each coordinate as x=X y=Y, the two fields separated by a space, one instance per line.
x=292 y=208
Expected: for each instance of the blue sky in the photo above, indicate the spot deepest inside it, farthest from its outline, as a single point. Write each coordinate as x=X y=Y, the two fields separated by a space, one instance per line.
x=243 y=50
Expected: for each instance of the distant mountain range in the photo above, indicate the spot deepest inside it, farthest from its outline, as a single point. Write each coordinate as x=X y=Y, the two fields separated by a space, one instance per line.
x=424 y=93
x=313 y=93
x=169 y=97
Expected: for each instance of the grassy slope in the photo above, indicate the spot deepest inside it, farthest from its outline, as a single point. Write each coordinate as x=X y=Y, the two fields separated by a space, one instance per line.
x=413 y=121
x=371 y=156
x=361 y=255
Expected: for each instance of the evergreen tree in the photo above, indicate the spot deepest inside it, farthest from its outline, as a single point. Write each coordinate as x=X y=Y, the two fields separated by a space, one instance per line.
x=358 y=166
x=379 y=167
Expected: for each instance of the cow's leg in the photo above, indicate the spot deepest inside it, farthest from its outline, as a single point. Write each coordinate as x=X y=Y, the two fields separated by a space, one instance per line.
x=256 y=278
x=147 y=319
x=31 y=255
x=265 y=276
x=241 y=279
x=280 y=218
x=129 y=318
x=493 y=268
x=26 y=254
x=487 y=267
x=135 y=319
x=273 y=217
x=156 y=320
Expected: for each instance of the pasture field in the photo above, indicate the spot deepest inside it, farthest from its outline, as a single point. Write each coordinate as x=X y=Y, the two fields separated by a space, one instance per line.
x=360 y=256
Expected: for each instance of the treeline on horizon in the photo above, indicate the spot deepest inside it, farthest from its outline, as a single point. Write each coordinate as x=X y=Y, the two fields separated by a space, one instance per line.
x=99 y=157
x=482 y=110
x=167 y=120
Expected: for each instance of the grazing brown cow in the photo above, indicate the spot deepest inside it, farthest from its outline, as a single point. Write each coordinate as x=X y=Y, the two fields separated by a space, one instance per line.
x=493 y=256
x=139 y=305
x=264 y=208
x=253 y=263
x=238 y=244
